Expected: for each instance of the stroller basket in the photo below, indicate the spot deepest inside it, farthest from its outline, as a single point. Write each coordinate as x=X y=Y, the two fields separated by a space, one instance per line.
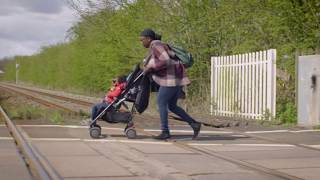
x=117 y=117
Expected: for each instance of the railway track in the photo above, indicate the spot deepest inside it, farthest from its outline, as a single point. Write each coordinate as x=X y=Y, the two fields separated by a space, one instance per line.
x=49 y=99
x=87 y=104
x=60 y=97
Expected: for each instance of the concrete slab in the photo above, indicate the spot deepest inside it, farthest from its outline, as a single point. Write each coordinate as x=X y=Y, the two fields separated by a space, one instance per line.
x=280 y=163
x=160 y=149
x=243 y=147
x=56 y=132
x=227 y=139
x=4 y=132
x=11 y=160
x=4 y=152
x=235 y=176
x=137 y=162
x=14 y=173
x=304 y=173
x=111 y=178
x=297 y=138
x=87 y=166
x=64 y=148
x=69 y=132
x=11 y=165
x=7 y=144
x=270 y=154
x=193 y=164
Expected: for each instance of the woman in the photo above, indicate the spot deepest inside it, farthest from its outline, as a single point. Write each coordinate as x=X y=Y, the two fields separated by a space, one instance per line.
x=170 y=75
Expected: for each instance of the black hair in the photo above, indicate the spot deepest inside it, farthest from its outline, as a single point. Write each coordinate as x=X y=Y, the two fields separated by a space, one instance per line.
x=122 y=79
x=151 y=34
x=148 y=33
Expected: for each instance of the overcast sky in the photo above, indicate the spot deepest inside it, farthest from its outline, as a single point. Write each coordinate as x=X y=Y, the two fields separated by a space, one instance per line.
x=26 y=25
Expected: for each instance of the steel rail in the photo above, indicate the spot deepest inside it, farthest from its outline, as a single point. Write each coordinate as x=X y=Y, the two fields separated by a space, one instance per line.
x=38 y=167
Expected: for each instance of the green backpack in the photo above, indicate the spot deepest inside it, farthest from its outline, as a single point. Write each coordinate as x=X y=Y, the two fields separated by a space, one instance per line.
x=183 y=55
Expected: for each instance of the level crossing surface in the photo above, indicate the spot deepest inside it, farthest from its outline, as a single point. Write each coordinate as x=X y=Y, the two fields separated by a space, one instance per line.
x=217 y=154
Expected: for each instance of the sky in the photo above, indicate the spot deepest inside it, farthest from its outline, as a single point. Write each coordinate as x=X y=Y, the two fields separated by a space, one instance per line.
x=27 y=25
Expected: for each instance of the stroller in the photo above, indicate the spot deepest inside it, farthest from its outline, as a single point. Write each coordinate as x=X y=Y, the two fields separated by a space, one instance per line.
x=112 y=114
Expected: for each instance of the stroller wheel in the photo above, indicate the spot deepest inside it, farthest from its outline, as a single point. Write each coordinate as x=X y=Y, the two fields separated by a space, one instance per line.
x=95 y=132
x=98 y=126
x=131 y=133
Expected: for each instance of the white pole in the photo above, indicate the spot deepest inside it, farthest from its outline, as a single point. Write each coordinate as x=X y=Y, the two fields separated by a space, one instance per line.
x=17 y=72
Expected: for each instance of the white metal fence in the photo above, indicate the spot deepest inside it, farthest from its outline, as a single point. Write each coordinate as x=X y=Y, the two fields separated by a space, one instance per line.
x=244 y=85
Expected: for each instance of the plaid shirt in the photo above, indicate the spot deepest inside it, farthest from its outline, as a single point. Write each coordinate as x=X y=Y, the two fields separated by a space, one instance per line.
x=165 y=70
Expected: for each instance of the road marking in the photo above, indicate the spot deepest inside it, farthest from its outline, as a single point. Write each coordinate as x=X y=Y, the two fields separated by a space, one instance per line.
x=307 y=130
x=55 y=139
x=63 y=126
x=254 y=145
x=127 y=141
x=201 y=144
x=70 y=126
x=258 y=132
x=6 y=138
x=100 y=140
x=238 y=135
x=283 y=130
x=312 y=145
x=179 y=125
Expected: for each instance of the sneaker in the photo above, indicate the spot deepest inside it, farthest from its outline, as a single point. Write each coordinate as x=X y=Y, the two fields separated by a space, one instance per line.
x=196 y=129
x=129 y=125
x=163 y=136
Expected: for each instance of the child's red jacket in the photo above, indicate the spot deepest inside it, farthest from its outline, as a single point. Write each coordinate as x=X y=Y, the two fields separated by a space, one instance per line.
x=115 y=92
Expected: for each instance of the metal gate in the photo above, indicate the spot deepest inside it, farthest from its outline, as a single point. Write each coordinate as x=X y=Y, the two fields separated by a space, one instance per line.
x=244 y=85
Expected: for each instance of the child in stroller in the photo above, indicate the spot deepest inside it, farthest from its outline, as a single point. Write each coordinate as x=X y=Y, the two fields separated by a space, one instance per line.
x=118 y=85
x=123 y=90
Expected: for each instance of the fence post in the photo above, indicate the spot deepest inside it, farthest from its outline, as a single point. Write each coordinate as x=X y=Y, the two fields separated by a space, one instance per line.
x=271 y=88
x=212 y=84
x=274 y=79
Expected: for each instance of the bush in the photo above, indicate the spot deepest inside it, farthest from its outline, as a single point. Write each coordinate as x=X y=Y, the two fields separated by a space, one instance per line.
x=287 y=113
